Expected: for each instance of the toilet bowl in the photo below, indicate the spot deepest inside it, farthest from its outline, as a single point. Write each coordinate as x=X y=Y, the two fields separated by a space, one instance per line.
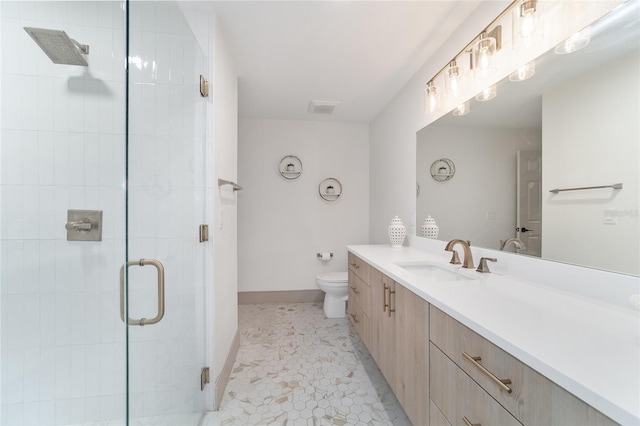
x=336 y=288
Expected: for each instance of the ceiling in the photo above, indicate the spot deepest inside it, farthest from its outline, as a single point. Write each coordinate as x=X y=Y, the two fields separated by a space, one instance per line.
x=358 y=53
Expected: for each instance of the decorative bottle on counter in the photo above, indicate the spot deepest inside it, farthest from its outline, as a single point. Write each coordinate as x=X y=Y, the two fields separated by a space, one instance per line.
x=397 y=232
x=430 y=228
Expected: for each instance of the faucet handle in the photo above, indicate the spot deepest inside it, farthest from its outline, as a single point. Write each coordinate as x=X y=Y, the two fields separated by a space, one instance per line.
x=455 y=260
x=483 y=267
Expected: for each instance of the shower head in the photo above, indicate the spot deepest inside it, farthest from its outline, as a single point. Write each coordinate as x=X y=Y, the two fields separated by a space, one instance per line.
x=57 y=45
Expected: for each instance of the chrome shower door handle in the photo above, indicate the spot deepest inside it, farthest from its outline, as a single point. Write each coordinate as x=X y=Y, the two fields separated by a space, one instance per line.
x=144 y=321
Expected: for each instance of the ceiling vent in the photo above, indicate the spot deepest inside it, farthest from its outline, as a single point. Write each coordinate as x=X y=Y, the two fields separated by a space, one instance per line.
x=322 y=107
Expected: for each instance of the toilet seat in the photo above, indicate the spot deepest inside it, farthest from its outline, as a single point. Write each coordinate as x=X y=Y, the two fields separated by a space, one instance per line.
x=333 y=279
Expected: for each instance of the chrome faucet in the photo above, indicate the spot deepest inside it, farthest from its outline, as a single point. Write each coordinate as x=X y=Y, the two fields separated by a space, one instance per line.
x=517 y=243
x=468 y=258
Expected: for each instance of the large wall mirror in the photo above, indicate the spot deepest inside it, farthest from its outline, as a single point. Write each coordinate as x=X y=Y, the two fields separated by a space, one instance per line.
x=574 y=124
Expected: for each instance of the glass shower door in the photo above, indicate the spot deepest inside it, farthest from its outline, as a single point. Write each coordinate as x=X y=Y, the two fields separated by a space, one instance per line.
x=90 y=138
x=62 y=148
x=165 y=292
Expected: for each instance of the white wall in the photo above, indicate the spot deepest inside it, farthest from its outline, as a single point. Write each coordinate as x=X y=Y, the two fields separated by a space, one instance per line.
x=224 y=227
x=479 y=202
x=392 y=170
x=284 y=223
x=590 y=140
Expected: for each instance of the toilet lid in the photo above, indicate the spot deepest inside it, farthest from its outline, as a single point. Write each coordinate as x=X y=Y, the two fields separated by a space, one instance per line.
x=334 y=277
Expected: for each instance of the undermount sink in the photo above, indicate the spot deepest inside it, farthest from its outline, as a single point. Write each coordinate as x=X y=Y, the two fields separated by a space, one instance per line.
x=432 y=271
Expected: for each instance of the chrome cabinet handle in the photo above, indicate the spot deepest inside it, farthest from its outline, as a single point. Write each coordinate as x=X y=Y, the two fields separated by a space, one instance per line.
x=144 y=321
x=394 y=305
x=355 y=289
x=83 y=224
x=355 y=318
x=475 y=360
x=384 y=298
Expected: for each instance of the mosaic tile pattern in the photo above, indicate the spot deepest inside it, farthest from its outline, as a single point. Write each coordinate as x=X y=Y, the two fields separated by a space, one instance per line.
x=296 y=367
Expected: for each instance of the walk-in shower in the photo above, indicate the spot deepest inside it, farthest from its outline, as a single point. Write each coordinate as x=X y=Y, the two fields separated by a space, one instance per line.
x=125 y=136
x=57 y=45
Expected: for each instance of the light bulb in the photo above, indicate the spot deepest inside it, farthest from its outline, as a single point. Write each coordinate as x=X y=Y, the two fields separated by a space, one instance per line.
x=487 y=94
x=462 y=109
x=453 y=79
x=527 y=23
x=431 y=98
x=482 y=56
x=524 y=72
x=574 y=43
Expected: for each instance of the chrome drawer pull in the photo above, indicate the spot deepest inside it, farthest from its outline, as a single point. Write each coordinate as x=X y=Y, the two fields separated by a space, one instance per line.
x=355 y=289
x=384 y=298
x=468 y=423
x=475 y=360
x=354 y=318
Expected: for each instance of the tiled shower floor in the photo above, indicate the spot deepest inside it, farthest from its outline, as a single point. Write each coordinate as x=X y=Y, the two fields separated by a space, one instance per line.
x=296 y=367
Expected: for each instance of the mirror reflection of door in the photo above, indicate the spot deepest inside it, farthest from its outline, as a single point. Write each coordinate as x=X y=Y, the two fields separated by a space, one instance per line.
x=529 y=201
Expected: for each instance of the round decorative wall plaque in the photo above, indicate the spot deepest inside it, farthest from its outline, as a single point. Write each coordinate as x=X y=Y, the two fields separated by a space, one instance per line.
x=442 y=170
x=330 y=189
x=290 y=167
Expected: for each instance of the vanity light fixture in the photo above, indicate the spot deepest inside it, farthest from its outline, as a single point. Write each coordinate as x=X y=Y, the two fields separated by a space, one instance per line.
x=483 y=54
x=574 y=43
x=453 y=79
x=525 y=72
x=487 y=94
x=431 y=98
x=527 y=23
x=462 y=109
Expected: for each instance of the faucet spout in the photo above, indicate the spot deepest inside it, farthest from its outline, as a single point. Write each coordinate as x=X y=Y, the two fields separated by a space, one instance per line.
x=468 y=257
x=517 y=243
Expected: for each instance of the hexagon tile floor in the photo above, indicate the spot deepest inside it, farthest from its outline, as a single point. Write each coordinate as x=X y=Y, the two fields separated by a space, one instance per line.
x=296 y=367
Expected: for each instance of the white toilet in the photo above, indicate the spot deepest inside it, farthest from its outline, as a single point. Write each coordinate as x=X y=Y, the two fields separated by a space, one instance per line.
x=336 y=290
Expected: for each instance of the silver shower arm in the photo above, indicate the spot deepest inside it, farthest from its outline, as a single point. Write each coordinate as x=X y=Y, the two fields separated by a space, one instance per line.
x=84 y=48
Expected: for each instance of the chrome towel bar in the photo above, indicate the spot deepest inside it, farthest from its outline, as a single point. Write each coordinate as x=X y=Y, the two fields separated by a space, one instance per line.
x=235 y=186
x=614 y=186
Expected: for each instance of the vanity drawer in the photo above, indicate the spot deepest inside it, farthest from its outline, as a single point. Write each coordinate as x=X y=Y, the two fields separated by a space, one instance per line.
x=436 y=418
x=360 y=321
x=359 y=292
x=458 y=397
x=359 y=267
x=533 y=399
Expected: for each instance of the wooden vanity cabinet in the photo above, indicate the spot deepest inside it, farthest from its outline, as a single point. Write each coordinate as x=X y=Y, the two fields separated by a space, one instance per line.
x=400 y=343
x=457 y=397
x=412 y=354
x=383 y=348
x=359 y=299
x=533 y=399
x=421 y=352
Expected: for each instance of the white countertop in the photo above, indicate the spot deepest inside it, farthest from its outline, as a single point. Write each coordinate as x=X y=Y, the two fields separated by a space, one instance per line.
x=589 y=347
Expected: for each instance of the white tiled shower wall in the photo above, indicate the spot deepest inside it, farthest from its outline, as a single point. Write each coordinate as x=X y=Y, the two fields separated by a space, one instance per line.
x=63 y=146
